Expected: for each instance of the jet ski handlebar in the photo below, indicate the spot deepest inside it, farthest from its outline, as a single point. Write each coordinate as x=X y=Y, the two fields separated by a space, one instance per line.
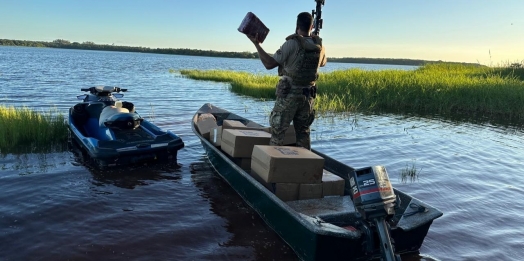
x=98 y=89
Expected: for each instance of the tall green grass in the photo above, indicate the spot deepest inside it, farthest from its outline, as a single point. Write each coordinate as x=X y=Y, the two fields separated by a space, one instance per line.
x=435 y=89
x=254 y=85
x=23 y=129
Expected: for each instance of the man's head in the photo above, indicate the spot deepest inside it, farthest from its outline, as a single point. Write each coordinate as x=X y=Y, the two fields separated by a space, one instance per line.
x=304 y=22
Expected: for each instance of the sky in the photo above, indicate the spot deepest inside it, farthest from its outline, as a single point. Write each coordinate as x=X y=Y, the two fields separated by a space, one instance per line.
x=490 y=32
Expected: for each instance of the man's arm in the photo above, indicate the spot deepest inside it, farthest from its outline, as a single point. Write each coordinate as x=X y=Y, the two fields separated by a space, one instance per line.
x=268 y=61
x=323 y=57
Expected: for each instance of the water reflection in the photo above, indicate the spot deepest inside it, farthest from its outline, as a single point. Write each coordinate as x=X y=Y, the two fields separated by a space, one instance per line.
x=417 y=257
x=32 y=163
x=247 y=229
x=127 y=177
x=131 y=177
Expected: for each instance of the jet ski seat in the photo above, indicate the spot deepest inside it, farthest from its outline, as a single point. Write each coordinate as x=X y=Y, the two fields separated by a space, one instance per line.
x=94 y=109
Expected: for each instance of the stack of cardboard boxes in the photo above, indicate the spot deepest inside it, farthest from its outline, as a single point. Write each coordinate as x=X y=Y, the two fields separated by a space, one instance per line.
x=292 y=173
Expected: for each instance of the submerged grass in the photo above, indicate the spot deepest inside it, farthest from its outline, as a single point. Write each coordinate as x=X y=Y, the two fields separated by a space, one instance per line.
x=434 y=89
x=410 y=172
x=23 y=129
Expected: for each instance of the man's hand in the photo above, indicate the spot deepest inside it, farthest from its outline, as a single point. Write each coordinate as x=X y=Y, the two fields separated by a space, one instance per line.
x=253 y=39
x=267 y=60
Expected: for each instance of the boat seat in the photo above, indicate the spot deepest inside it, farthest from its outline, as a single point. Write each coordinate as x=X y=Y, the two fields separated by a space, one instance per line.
x=327 y=208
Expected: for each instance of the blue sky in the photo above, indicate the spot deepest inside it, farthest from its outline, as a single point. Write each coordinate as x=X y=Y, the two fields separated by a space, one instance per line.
x=485 y=31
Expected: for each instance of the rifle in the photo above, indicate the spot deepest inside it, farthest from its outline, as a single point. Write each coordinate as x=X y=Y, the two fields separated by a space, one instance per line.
x=317 y=16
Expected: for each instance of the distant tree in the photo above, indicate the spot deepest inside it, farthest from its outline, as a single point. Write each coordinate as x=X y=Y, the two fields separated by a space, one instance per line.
x=61 y=42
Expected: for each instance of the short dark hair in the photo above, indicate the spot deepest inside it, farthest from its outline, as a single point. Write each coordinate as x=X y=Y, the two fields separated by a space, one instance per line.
x=304 y=21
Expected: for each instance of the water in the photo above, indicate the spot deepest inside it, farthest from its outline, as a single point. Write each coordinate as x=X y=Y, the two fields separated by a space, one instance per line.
x=55 y=208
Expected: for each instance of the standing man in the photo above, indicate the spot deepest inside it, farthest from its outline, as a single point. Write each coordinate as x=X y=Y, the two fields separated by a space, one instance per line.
x=298 y=60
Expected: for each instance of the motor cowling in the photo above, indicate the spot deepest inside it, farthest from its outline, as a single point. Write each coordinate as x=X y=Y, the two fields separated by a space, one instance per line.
x=372 y=192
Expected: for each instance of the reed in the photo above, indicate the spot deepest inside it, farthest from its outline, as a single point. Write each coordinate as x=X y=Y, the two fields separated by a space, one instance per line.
x=22 y=127
x=254 y=85
x=435 y=89
x=410 y=172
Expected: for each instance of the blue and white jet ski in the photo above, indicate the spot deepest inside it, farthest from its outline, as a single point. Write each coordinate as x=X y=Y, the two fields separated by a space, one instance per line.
x=112 y=133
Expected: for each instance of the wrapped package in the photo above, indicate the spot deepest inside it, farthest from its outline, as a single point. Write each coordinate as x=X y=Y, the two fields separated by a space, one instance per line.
x=251 y=25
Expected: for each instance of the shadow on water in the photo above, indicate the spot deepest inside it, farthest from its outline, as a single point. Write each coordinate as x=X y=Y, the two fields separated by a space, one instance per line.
x=247 y=228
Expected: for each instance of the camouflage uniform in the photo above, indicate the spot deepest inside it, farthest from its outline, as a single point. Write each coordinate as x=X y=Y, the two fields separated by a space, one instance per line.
x=299 y=58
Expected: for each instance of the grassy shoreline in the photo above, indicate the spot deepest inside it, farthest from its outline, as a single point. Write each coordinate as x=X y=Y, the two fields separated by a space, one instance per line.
x=432 y=89
x=24 y=129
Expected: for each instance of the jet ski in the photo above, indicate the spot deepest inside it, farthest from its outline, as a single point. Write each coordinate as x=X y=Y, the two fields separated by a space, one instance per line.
x=112 y=133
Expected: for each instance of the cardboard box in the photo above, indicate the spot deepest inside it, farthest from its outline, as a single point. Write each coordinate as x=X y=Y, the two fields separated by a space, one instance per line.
x=252 y=25
x=332 y=185
x=284 y=164
x=239 y=143
x=232 y=124
x=244 y=163
x=284 y=191
x=254 y=125
x=205 y=116
x=287 y=191
x=215 y=136
x=310 y=191
x=290 y=137
x=205 y=126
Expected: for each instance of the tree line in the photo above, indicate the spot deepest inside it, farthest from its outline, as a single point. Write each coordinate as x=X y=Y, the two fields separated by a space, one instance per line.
x=65 y=44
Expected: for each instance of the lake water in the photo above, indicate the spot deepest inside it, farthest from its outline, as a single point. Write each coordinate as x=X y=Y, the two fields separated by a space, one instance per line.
x=53 y=207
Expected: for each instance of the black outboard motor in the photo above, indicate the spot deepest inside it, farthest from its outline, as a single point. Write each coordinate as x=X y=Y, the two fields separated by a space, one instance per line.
x=375 y=200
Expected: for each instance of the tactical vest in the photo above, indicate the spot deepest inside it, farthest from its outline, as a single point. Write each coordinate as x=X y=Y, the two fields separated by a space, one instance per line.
x=308 y=60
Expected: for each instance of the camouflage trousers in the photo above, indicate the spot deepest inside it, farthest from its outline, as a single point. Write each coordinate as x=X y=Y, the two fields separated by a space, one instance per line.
x=297 y=108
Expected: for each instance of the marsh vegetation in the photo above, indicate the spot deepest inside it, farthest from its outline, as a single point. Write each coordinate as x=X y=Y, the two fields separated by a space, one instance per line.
x=27 y=130
x=434 y=89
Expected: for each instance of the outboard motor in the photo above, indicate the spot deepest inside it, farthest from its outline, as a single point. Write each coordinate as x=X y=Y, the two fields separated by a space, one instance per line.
x=375 y=200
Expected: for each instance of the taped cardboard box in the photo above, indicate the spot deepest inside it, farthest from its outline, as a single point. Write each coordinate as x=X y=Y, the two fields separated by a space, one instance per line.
x=232 y=124
x=285 y=164
x=215 y=136
x=332 y=185
x=284 y=191
x=310 y=191
x=205 y=126
x=239 y=143
x=216 y=133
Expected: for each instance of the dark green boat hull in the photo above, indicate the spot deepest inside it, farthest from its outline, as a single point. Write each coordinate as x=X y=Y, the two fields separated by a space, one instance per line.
x=309 y=237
